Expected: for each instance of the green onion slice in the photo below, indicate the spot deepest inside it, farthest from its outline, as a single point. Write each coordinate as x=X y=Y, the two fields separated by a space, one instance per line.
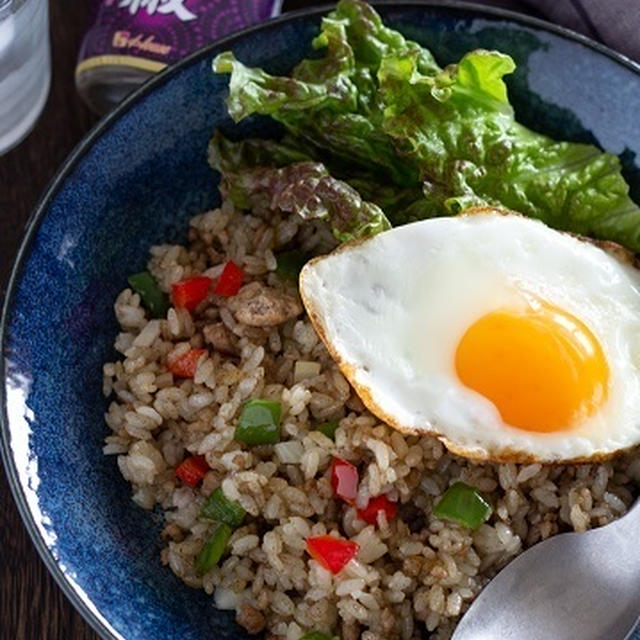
x=153 y=298
x=213 y=549
x=329 y=428
x=218 y=507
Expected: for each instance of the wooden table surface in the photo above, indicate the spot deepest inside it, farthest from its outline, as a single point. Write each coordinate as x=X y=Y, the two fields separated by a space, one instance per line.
x=32 y=607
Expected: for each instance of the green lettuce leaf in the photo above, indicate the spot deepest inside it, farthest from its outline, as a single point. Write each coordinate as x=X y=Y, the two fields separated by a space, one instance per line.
x=306 y=189
x=404 y=204
x=331 y=103
x=418 y=140
x=459 y=128
x=227 y=156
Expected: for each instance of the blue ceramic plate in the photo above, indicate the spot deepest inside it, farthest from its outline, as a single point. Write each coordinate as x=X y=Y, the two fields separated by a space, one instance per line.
x=135 y=181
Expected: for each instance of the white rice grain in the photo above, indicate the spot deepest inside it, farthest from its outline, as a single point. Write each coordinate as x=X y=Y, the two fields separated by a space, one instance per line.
x=243 y=545
x=350 y=588
x=148 y=334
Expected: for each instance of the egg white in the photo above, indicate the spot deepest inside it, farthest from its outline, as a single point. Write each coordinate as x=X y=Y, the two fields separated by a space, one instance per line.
x=392 y=310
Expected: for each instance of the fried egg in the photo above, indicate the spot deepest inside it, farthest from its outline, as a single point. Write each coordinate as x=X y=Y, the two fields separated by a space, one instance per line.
x=506 y=339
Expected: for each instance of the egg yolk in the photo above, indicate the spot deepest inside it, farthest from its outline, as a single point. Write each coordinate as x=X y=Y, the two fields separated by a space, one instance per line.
x=542 y=368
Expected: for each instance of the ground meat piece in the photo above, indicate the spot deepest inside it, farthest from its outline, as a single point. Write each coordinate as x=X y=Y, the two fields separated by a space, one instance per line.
x=251 y=619
x=260 y=306
x=350 y=630
x=220 y=338
x=172 y=532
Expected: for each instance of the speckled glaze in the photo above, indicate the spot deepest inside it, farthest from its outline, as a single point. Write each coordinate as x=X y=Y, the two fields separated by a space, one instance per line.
x=135 y=181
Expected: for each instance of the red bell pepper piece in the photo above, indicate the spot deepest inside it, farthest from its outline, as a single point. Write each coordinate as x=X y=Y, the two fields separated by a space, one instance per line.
x=230 y=280
x=344 y=480
x=192 y=470
x=185 y=365
x=332 y=553
x=191 y=292
x=370 y=513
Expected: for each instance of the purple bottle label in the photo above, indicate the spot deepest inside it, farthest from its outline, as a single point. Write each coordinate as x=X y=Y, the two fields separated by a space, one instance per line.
x=150 y=34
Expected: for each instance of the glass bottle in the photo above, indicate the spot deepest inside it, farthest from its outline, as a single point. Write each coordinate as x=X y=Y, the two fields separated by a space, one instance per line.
x=25 y=67
x=131 y=40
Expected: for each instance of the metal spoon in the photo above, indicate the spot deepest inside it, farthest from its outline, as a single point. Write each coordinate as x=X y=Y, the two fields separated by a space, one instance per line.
x=575 y=586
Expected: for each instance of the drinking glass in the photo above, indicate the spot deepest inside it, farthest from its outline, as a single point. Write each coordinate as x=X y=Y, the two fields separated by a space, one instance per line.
x=25 y=67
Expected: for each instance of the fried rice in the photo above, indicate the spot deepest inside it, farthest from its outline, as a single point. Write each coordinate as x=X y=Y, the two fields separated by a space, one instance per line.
x=414 y=575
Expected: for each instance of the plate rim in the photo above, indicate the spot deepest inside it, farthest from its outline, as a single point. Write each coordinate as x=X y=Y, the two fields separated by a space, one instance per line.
x=81 y=601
